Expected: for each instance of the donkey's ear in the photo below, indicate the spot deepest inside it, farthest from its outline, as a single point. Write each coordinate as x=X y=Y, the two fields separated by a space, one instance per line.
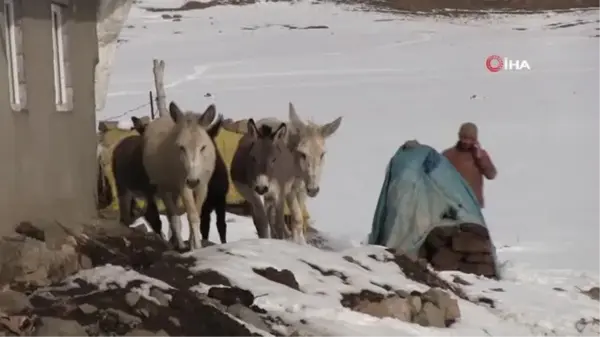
x=137 y=124
x=252 y=130
x=330 y=128
x=175 y=112
x=280 y=133
x=208 y=116
x=294 y=119
x=214 y=129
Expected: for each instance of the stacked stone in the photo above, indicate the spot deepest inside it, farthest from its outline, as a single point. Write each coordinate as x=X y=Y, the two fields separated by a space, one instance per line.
x=466 y=248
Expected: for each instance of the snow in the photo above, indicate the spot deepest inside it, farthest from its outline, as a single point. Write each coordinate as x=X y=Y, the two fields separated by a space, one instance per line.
x=521 y=308
x=395 y=78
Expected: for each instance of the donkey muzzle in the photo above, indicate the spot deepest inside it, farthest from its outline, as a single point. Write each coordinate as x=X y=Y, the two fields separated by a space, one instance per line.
x=312 y=192
x=261 y=189
x=192 y=183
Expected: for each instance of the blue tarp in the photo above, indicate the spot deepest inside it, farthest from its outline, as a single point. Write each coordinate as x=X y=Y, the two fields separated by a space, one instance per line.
x=422 y=190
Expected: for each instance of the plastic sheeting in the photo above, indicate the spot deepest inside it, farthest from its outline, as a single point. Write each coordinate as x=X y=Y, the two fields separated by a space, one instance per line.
x=421 y=191
x=112 y=15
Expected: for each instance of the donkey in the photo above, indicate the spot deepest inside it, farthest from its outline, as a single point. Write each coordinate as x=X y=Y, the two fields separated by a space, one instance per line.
x=179 y=157
x=263 y=166
x=216 y=198
x=131 y=179
x=307 y=143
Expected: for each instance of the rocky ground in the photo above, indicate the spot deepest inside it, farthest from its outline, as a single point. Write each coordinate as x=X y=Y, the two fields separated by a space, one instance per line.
x=444 y=7
x=118 y=281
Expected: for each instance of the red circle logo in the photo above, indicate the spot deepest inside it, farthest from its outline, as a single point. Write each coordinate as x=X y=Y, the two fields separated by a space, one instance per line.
x=494 y=63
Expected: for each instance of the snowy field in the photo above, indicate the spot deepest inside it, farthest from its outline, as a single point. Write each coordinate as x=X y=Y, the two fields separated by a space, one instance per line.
x=396 y=78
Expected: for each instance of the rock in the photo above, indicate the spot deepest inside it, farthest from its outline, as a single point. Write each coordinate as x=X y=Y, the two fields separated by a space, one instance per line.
x=247 y=315
x=593 y=293
x=175 y=321
x=161 y=332
x=461 y=281
x=85 y=262
x=132 y=298
x=484 y=269
x=144 y=332
x=395 y=307
x=285 y=276
x=438 y=238
x=160 y=296
x=467 y=242
x=479 y=258
x=442 y=300
x=124 y=318
x=430 y=315
x=446 y=259
x=211 y=277
x=421 y=274
x=52 y=326
x=231 y=295
x=30 y=261
x=28 y=229
x=13 y=302
x=416 y=304
x=87 y=309
x=476 y=229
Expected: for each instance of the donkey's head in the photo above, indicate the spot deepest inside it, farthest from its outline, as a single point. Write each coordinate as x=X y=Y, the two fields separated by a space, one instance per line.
x=194 y=141
x=268 y=147
x=139 y=124
x=310 y=149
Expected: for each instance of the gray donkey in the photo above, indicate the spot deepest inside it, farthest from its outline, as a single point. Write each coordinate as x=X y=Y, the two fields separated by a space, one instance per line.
x=306 y=141
x=263 y=166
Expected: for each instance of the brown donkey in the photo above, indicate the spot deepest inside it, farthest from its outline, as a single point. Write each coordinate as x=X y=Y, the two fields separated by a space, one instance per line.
x=132 y=180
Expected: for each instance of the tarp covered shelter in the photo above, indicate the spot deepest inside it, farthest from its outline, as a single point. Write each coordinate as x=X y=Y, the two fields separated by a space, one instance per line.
x=421 y=191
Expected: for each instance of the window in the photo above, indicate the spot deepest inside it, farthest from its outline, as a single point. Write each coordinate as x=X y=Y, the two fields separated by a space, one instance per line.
x=14 y=53
x=62 y=90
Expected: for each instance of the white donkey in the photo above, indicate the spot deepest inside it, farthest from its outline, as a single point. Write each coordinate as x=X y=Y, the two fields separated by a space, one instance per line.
x=306 y=141
x=179 y=157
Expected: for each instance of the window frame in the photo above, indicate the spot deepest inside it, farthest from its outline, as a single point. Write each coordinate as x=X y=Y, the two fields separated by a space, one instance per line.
x=61 y=92
x=12 y=54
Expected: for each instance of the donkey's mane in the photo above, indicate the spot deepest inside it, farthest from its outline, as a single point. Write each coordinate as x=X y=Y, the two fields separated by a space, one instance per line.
x=265 y=130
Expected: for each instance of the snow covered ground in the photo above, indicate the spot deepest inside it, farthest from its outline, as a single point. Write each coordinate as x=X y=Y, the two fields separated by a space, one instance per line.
x=398 y=78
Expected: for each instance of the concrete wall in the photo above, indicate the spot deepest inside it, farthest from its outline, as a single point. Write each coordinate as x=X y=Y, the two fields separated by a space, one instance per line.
x=48 y=157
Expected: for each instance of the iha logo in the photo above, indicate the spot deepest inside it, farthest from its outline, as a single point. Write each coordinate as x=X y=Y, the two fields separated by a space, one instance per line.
x=496 y=63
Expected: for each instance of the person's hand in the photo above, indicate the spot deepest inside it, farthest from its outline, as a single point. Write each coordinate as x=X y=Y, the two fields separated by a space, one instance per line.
x=477 y=151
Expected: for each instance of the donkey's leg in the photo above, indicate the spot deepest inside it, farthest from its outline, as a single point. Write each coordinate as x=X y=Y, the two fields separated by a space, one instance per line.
x=152 y=214
x=301 y=195
x=270 y=210
x=296 y=223
x=220 y=206
x=198 y=198
x=125 y=197
x=170 y=201
x=207 y=208
x=279 y=218
x=259 y=217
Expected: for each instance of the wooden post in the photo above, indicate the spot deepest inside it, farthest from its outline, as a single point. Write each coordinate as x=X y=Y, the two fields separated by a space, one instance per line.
x=161 y=97
x=151 y=104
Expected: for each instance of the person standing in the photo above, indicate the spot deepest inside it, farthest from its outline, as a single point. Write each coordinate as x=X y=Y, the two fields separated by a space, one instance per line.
x=470 y=160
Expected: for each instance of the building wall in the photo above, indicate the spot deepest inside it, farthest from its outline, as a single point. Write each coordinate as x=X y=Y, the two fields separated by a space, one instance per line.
x=48 y=154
